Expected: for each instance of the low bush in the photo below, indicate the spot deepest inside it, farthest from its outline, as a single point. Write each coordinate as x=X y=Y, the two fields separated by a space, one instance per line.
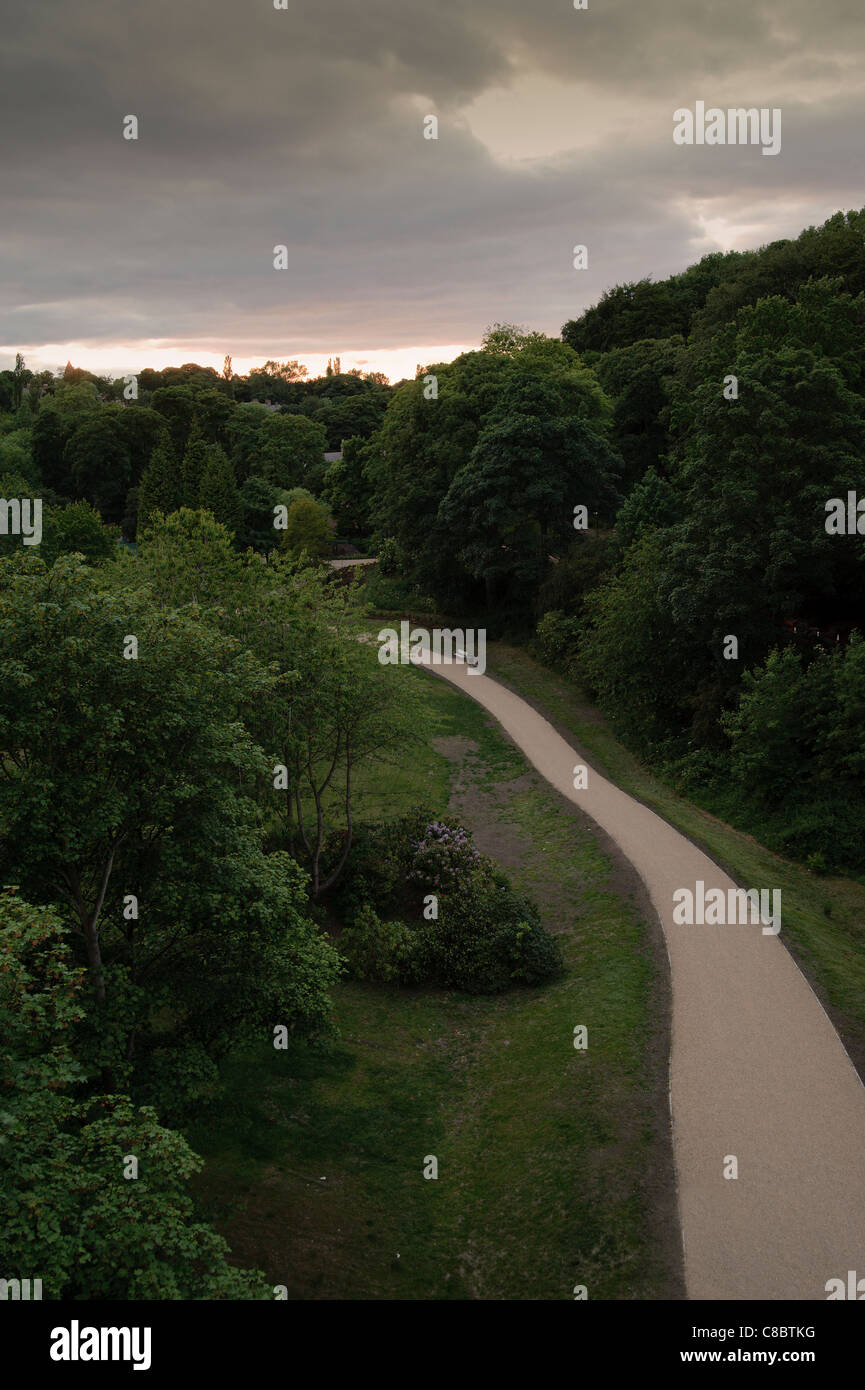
x=823 y=832
x=484 y=937
x=394 y=595
x=380 y=951
x=488 y=936
x=557 y=638
x=391 y=561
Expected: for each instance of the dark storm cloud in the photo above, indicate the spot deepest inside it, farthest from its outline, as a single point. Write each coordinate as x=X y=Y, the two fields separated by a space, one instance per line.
x=304 y=127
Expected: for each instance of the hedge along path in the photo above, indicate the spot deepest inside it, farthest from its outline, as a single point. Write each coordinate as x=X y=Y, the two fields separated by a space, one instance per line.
x=757 y=1070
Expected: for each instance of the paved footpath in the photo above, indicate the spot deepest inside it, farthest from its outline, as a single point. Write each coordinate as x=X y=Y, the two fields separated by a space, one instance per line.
x=757 y=1069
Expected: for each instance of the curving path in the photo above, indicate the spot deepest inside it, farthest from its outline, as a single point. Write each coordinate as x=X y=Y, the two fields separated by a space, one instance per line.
x=757 y=1069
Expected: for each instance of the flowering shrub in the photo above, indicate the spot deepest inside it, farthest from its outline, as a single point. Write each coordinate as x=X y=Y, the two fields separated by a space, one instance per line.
x=443 y=857
x=485 y=937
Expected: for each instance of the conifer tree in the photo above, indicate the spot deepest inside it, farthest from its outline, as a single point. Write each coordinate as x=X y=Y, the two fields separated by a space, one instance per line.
x=218 y=492
x=194 y=463
x=160 y=484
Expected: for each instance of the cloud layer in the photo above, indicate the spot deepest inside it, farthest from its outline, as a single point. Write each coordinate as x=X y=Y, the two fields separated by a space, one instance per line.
x=305 y=127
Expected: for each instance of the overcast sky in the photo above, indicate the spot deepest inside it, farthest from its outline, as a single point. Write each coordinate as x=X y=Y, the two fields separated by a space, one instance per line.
x=305 y=127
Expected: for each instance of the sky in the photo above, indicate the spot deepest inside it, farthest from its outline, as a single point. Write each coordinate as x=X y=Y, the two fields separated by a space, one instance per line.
x=304 y=127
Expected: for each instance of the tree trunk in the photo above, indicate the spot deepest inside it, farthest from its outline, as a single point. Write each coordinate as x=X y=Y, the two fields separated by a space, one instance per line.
x=94 y=958
x=90 y=930
x=348 y=836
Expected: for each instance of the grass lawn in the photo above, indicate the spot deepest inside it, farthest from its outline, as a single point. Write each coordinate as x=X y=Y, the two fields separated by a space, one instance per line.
x=554 y=1165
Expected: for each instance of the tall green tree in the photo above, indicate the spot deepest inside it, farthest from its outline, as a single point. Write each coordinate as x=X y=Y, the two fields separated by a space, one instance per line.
x=259 y=498
x=142 y=429
x=176 y=404
x=76 y=529
x=449 y=472
x=332 y=709
x=161 y=487
x=218 y=492
x=194 y=463
x=347 y=489
x=328 y=707
x=512 y=505
x=98 y=461
x=307 y=528
x=635 y=378
x=289 y=446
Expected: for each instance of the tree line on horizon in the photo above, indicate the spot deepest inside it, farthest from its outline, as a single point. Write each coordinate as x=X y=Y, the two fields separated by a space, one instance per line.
x=190 y=437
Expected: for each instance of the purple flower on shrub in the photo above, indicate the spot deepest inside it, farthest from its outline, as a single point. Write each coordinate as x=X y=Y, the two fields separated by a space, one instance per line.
x=443 y=856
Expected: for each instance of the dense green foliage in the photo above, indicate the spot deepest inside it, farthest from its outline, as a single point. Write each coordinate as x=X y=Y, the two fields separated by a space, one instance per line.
x=117 y=772
x=453 y=918
x=478 y=483
x=307 y=528
x=145 y=707
x=710 y=294
x=757 y=423
x=704 y=423
x=180 y=736
x=189 y=437
x=70 y=1207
